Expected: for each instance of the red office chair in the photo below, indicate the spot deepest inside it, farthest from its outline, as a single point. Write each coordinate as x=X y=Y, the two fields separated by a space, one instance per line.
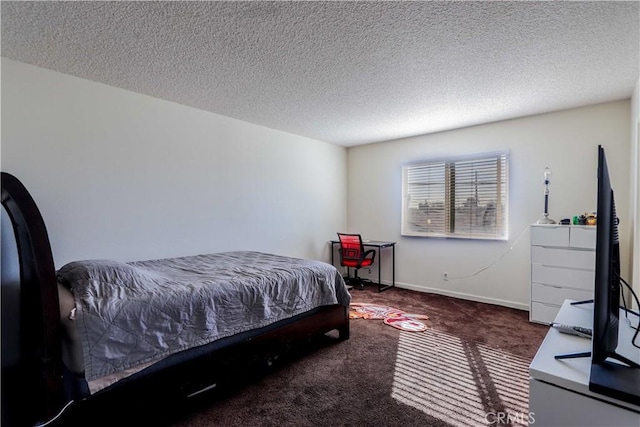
x=353 y=255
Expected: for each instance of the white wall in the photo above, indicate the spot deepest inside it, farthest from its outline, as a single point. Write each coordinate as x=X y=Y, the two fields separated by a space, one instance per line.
x=566 y=141
x=126 y=176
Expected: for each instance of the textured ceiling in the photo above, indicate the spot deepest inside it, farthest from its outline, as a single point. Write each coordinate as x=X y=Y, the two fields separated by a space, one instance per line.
x=348 y=73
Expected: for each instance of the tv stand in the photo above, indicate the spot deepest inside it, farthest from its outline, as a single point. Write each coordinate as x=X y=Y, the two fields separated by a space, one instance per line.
x=572 y=355
x=559 y=390
x=630 y=363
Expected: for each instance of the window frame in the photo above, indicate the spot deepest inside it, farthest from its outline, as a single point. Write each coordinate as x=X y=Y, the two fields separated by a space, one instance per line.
x=450 y=209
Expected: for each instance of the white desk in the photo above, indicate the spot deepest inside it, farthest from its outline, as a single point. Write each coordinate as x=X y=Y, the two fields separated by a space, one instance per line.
x=559 y=392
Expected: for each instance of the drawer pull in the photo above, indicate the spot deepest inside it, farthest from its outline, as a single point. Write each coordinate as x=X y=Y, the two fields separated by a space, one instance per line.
x=565 y=268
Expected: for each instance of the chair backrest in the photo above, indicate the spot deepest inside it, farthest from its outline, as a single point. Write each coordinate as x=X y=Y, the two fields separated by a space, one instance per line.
x=351 y=248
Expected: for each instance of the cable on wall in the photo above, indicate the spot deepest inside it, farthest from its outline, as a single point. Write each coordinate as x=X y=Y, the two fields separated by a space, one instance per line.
x=494 y=262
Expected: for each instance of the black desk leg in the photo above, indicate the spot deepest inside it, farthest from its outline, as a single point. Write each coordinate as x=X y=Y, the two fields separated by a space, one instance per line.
x=393 y=270
x=332 y=257
x=379 y=270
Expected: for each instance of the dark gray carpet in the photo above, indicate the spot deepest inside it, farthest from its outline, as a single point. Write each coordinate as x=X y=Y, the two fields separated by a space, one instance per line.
x=471 y=363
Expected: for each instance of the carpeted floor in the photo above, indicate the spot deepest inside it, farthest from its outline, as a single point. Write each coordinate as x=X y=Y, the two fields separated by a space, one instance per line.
x=470 y=365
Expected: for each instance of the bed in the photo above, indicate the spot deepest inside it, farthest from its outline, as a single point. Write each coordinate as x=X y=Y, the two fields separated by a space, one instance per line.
x=96 y=329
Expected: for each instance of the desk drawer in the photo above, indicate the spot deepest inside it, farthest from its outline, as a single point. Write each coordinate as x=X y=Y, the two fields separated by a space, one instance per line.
x=559 y=276
x=570 y=258
x=556 y=295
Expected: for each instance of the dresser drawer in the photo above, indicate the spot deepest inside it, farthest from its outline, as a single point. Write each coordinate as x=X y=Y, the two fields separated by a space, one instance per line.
x=583 y=237
x=570 y=258
x=543 y=313
x=556 y=295
x=560 y=276
x=550 y=235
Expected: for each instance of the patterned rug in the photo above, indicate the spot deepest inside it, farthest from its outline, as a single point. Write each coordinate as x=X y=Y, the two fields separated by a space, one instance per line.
x=389 y=315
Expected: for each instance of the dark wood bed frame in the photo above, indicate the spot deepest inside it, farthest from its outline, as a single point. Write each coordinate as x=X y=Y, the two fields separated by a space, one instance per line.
x=39 y=381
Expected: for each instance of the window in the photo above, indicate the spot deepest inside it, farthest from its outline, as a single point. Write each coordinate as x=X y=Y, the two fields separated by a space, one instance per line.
x=462 y=197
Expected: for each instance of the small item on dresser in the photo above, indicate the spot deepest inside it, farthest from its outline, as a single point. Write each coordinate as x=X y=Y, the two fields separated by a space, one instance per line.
x=582 y=220
x=591 y=218
x=565 y=221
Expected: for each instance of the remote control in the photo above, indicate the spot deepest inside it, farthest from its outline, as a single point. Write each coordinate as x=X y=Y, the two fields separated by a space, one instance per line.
x=573 y=330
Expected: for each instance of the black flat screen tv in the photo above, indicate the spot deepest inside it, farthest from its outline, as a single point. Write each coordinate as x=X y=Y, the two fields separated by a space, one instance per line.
x=614 y=379
x=606 y=298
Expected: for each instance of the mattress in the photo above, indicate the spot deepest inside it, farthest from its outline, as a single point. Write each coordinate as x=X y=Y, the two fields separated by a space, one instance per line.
x=119 y=318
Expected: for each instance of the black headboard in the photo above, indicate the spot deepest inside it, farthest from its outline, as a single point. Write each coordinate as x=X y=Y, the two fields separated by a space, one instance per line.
x=38 y=381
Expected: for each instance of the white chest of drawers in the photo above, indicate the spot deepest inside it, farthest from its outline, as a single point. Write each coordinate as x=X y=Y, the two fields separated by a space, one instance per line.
x=562 y=267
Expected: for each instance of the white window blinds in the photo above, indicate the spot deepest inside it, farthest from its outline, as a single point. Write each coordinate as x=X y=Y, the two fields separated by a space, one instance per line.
x=462 y=197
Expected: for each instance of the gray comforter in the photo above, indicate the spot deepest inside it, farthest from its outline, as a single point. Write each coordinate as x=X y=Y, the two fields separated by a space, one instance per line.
x=134 y=313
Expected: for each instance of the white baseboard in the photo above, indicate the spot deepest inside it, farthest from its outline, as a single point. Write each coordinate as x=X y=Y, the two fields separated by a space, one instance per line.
x=461 y=295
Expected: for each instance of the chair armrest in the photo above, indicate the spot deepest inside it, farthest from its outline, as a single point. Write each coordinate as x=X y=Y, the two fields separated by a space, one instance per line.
x=370 y=251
